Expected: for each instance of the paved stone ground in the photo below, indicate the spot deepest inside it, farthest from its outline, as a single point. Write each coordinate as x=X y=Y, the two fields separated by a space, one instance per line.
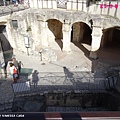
x=51 y=75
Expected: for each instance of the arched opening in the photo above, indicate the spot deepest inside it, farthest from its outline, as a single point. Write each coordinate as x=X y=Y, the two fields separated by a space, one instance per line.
x=81 y=36
x=110 y=45
x=55 y=27
x=6 y=49
x=4 y=39
x=2 y=28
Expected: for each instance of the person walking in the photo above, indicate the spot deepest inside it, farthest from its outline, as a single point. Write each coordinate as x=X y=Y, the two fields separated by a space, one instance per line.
x=20 y=64
x=16 y=64
x=13 y=72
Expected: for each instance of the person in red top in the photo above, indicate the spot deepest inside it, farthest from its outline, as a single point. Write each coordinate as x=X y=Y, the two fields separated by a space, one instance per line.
x=13 y=71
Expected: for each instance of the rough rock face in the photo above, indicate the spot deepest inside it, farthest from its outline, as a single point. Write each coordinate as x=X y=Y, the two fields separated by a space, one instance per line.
x=113 y=77
x=33 y=106
x=33 y=103
x=117 y=86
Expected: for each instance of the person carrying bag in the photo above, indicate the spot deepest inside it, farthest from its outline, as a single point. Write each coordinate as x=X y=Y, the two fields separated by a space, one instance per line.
x=13 y=71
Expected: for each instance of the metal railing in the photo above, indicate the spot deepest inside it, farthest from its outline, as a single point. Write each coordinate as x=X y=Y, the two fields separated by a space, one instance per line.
x=63 y=3
x=67 y=82
x=9 y=7
x=62 y=82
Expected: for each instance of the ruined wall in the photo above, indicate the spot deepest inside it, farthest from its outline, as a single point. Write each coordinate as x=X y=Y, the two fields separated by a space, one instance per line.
x=43 y=26
x=81 y=5
x=16 y=35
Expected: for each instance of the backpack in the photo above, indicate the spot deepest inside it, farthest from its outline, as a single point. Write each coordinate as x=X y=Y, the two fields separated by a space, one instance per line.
x=14 y=71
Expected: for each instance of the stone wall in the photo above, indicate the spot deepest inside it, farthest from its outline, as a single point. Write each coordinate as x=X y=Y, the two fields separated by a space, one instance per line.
x=81 y=5
x=50 y=25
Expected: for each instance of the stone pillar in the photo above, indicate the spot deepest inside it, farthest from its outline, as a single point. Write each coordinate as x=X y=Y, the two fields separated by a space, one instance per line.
x=9 y=30
x=66 y=29
x=96 y=40
x=44 y=27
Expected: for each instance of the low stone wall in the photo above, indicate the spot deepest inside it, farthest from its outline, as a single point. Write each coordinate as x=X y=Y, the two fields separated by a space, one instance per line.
x=64 y=102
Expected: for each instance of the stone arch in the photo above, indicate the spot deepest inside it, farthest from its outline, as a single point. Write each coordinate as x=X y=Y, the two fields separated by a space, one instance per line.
x=2 y=28
x=110 y=44
x=105 y=22
x=111 y=36
x=80 y=31
x=82 y=17
x=81 y=36
x=4 y=22
x=56 y=17
x=55 y=31
x=3 y=39
x=110 y=22
x=82 y=21
x=6 y=48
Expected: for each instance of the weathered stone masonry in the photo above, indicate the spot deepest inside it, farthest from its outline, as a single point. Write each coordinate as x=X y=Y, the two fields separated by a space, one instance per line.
x=47 y=25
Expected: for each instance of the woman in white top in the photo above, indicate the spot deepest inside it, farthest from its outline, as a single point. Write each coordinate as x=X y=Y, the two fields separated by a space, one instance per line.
x=13 y=72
